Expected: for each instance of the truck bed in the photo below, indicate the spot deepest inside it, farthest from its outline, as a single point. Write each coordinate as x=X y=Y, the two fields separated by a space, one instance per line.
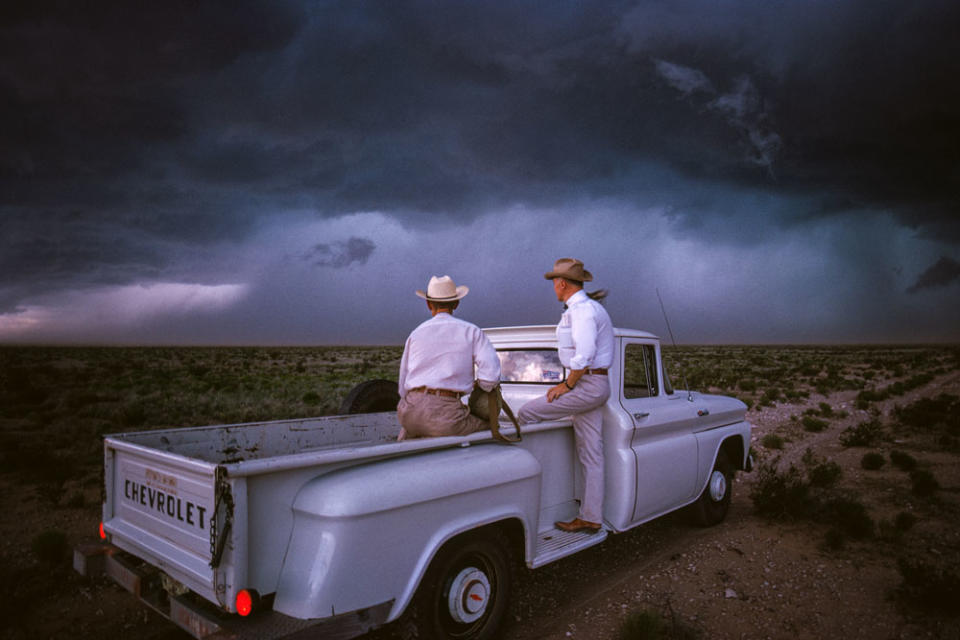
x=258 y=447
x=163 y=486
x=233 y=443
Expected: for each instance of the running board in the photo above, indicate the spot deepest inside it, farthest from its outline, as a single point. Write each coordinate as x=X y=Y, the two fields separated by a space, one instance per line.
x=554 y=544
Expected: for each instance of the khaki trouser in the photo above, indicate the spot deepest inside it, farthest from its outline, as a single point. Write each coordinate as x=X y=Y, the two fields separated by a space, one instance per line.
x=424 y=414
x=585 y=405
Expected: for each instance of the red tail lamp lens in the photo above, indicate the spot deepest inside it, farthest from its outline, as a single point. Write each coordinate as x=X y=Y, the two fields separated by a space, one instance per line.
x=103 y=534
x=247 y=601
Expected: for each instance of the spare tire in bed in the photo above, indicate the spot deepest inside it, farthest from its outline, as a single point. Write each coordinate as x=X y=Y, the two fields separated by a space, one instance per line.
x=372 y=396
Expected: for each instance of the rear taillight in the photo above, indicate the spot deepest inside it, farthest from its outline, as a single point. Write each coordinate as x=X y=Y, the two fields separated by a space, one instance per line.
x=103 y=534
x=247 y=601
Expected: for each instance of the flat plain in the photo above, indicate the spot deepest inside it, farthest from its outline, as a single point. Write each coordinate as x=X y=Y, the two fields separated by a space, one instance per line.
x=847 y=527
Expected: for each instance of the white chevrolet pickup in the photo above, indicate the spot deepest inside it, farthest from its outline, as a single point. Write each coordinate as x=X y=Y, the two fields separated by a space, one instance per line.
x=331 y=527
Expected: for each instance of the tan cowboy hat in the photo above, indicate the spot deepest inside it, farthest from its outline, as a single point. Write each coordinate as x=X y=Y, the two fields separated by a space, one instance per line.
x=443 y=289
x=569 y=268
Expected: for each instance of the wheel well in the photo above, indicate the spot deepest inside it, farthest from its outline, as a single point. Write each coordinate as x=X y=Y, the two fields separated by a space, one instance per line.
x=513 y=530
x=510 y=529
x=733 y=448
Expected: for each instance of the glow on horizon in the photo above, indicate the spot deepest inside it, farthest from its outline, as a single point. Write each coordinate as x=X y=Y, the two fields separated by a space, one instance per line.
x=106 y=308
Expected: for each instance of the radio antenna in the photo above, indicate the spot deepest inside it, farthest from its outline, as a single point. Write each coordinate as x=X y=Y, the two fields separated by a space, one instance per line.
x=674 y=342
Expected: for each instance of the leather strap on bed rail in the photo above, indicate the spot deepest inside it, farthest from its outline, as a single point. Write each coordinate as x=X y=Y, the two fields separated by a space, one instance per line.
x=494 y=399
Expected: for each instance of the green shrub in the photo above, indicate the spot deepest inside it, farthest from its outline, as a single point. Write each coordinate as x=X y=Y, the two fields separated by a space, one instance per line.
x=648 y=625
x=905 y=521
x=771 y=395
x=780 y=495
x=835 y=538
x=929 y=586
x=924 y=484
x=849 y=516
x=772 y=441
x=51 y=469
x=948 y=443
x=642 y=625
x=133 y=414
x=75 y=501
x=825 y=409
x=311 y=397
x=865 y=434
x=866 y=396
x=813 y=424
x=824 y=474
x=872 y=461
x=937 y=415
x=903 y=461
x=50 y=546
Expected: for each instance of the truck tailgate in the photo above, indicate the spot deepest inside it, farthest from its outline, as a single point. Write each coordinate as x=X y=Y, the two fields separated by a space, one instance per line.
x=159 y=507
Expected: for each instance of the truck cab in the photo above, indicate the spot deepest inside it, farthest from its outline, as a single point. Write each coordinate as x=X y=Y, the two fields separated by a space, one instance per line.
x=659 y=442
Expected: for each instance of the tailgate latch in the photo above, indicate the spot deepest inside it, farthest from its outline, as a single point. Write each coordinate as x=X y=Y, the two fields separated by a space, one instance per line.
x=223 y=503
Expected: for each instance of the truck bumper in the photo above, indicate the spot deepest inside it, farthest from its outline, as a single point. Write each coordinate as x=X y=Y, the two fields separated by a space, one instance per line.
x=201 y=619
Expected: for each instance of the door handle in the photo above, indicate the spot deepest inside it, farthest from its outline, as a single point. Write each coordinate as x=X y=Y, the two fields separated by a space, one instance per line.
x=641 y=414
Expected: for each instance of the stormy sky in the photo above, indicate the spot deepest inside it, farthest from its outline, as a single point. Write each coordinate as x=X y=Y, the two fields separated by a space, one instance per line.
x=285 y=172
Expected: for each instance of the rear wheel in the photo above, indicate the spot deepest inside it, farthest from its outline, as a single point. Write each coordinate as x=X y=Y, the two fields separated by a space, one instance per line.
x=464 y=593
x=372 y=396
x=712 y=505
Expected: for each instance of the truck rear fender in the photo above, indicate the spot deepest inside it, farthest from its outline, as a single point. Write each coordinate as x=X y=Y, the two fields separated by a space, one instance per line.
x=511 y=525
x=366 y=535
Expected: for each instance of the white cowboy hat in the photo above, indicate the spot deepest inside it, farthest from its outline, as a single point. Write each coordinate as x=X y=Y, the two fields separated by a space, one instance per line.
x=443 y=289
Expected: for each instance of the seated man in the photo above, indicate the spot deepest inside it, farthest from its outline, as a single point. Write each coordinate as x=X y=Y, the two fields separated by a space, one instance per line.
x=437 y=368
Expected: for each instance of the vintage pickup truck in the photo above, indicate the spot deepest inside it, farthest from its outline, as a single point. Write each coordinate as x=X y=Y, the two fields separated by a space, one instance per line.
x=331 y=527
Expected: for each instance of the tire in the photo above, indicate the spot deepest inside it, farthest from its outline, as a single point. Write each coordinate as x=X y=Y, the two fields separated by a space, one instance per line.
x=465 y=592
x=372 y=396
x=712 y=505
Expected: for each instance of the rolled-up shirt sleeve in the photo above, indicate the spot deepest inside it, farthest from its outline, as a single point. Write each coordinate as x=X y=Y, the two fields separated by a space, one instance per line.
x=583 y=331
x=487 y=361
x=402 y=382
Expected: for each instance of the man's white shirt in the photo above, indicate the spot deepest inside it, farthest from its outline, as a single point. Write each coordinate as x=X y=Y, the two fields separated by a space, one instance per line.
x=585 y=334
x=441 y=354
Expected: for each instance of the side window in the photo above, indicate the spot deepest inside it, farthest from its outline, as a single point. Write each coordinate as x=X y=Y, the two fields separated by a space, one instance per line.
x=639 y=371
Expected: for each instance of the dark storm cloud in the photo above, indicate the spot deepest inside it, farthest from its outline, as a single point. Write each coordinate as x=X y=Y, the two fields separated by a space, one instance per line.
x=342 y=253
x=858 y=95
x=95 y=121
x=36 y=258
x=942 y=273
x=129 y=129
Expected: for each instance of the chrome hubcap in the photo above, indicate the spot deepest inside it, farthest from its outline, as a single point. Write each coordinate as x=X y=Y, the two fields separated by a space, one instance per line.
x=469 y=593
x=718 y=486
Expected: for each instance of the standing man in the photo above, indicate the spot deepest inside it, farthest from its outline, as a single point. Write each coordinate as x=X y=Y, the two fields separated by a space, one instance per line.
x=585 y=344
x=437 y=368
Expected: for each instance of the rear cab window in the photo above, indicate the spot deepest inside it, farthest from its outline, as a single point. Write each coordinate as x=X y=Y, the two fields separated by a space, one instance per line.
x=536 y=366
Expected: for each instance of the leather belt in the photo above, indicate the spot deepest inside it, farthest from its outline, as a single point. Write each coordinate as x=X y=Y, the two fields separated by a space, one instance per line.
x=437 y=392
x=596 y=372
